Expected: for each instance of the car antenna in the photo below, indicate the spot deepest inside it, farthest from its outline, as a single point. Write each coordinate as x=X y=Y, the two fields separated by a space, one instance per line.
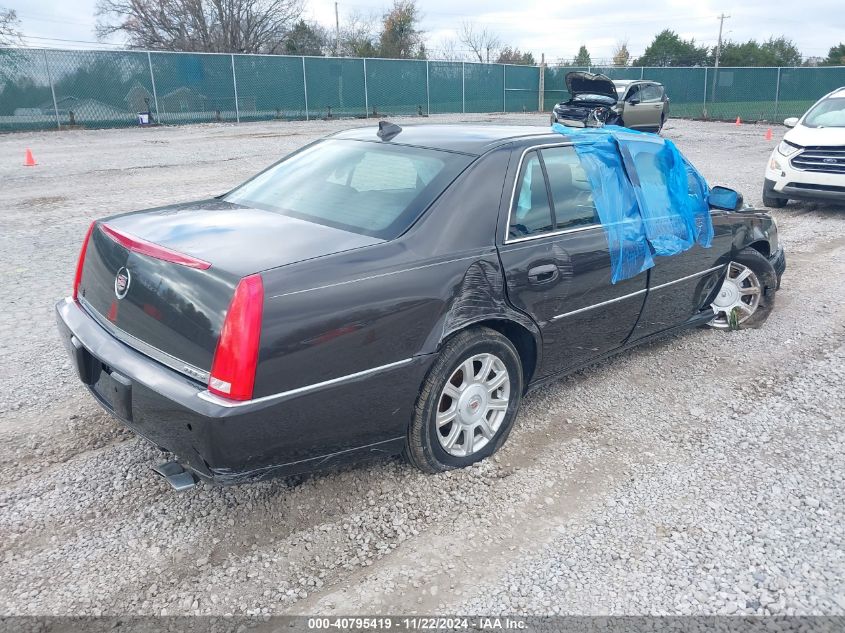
x=387 y=130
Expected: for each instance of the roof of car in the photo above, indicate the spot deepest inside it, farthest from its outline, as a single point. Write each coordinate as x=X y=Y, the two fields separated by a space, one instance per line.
x=628 y=82
x=839 y=92
x=470 y=138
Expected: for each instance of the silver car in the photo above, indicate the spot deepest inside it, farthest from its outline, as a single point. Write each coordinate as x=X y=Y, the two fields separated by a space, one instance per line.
x=596 y=100
x=642 y=104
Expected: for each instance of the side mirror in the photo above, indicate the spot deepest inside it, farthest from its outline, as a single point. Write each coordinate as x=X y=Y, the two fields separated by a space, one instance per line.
x=634 y=101
x=725 y=199
x=791 y=121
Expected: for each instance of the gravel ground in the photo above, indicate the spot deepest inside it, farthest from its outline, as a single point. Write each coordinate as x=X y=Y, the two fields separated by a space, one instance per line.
x=702 y=474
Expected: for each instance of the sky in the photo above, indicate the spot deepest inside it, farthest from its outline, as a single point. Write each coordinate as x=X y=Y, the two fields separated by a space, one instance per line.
x=556 y=28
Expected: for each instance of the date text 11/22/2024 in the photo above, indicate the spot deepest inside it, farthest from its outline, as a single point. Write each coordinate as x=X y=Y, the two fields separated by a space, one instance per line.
x=419 y=623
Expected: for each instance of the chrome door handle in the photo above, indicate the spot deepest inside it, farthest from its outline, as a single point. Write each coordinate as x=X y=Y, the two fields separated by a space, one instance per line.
x=543 y=274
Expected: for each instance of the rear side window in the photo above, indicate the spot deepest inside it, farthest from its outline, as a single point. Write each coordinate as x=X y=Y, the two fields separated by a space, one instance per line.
x=553 y=194
x=374 y=188
x=651 y=93
x=572 y=197
x=531 y=213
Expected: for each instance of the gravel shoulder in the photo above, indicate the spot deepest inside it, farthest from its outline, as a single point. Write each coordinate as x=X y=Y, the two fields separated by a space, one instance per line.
x=701 y=474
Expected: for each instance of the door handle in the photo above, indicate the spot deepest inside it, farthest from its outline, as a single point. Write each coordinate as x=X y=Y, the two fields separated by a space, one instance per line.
x=542 y=274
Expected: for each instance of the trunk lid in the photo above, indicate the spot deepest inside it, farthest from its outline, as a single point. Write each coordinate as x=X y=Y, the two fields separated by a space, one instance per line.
x=162 y=280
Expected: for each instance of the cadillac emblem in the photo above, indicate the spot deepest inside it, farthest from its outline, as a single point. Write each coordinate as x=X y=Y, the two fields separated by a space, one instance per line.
x=121 y=283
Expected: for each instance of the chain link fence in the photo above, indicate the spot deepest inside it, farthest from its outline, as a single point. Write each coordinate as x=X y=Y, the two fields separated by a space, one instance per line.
x=42 y=89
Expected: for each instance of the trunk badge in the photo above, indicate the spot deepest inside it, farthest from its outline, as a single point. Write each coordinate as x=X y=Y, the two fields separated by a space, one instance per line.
x=121 y=283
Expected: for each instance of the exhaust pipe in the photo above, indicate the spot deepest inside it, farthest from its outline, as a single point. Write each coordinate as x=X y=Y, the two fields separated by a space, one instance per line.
x=176 y=475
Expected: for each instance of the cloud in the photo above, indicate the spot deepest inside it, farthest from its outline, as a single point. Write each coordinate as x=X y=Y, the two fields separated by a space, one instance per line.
x=554 y=28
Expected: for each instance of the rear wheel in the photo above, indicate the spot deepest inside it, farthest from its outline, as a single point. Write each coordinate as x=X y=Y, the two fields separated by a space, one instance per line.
x=770 y=197
x=747 y=294
x=468 y=402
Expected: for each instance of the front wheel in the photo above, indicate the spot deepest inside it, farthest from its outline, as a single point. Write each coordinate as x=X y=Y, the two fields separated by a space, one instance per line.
x=770 y=198
x=747 y=294
x=468 y=402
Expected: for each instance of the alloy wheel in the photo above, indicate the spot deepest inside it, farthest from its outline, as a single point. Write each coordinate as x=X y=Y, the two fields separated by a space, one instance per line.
x=473 y=405
x=741 y=291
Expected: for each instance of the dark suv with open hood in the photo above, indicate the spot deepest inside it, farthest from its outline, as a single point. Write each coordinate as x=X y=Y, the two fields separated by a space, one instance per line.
x=596 y=100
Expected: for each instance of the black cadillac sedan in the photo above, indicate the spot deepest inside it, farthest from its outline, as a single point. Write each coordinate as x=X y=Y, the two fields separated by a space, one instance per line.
x=378 y=293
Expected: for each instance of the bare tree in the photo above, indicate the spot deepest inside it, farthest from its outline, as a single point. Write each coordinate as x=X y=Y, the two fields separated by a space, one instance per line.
x=9 y=31
x=621 y=55
x=448 y=50
x=359 y=35
x=217 y=26
x=483 y=43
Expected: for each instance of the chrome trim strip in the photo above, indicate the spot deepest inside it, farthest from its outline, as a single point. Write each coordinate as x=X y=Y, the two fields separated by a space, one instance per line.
x=598 y=305
x=186 y=369
x=210 y=397
x=693 y=276
x=513 y=197
x=528 y=238
x=638 y=292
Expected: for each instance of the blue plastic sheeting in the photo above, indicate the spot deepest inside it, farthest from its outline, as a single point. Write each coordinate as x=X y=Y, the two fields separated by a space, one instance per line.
x=650 y=199
x=617 y=207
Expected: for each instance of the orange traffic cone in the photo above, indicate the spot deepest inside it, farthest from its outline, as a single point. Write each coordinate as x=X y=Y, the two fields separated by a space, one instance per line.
x=769 y=134
x=28 y=160
x=738 y=121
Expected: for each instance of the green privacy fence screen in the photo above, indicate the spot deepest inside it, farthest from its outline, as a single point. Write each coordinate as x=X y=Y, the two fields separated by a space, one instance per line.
x=43 y=89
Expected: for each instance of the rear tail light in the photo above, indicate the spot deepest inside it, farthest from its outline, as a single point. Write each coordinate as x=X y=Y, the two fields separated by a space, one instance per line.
x=80 y=263
x=236 y=356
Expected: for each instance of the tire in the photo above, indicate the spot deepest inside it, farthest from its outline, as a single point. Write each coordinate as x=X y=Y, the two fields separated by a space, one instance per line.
x=662 y=123
x=424 y=446
x=552 y=120
x=770 y=198
x=762 y=275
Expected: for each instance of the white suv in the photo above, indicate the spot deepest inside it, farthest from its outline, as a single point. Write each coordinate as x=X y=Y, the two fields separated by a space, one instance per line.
x=809 y=163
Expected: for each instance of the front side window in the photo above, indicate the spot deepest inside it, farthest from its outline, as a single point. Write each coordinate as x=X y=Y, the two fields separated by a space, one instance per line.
x=572 y=196
x=531 y=214
x=364 y=187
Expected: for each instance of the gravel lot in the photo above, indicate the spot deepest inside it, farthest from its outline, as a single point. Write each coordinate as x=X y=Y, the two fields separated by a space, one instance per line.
x=702 y=474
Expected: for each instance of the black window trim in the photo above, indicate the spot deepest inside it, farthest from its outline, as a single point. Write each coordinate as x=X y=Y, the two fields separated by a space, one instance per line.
x=509 y=240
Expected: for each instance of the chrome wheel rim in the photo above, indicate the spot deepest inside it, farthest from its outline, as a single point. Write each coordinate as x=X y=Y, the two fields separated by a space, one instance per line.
x=740 y=291
x=473 y=405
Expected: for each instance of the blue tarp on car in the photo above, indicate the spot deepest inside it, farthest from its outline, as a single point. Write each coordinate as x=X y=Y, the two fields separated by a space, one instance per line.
x=650 y=199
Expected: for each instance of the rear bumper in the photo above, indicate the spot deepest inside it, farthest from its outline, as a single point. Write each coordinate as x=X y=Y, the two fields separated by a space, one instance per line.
x=343 y=421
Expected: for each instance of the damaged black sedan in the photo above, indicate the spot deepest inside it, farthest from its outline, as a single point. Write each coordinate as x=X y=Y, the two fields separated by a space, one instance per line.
x=383 y=293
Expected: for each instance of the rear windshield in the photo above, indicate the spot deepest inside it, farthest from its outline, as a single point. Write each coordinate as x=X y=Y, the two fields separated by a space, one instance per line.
x=369 y=188
x=828 y=113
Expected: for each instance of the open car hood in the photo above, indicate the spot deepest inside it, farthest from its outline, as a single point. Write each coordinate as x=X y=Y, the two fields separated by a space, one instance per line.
x=579 y=82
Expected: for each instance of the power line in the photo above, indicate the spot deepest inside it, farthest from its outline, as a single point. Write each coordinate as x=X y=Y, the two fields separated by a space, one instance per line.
x=58 y=39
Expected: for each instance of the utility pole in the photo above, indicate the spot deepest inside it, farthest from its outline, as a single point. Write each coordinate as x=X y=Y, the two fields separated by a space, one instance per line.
x=337 y=30
x=722 y=19
x=542 y=103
